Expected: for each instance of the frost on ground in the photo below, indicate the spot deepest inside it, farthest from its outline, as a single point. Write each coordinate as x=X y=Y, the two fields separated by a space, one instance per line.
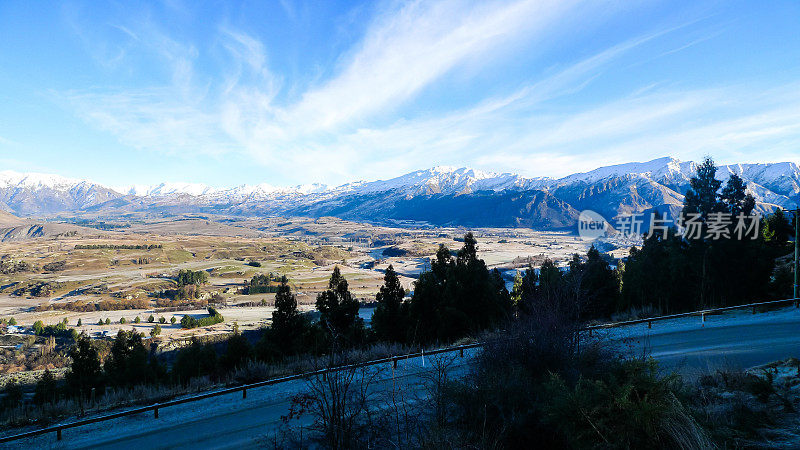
x=756 y=408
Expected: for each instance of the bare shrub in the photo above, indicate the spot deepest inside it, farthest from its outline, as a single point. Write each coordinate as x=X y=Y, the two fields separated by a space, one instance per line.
x=338 y=403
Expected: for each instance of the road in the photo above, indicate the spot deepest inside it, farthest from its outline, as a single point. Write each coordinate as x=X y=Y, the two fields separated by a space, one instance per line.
x=732 y=340
x=228 y=421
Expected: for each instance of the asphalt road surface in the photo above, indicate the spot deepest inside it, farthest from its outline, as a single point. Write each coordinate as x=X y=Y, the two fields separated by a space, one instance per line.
x=733 y=340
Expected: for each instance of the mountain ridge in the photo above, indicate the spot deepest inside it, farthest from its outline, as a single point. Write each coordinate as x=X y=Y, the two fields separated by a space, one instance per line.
x=418 y=195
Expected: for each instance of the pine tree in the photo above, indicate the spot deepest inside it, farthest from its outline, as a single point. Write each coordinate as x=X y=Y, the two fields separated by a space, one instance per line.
x=735 y=197
x=237 y=351
x=84 y=373
x=551 y=280
x=389 y=320
x=339 y=310
x=13 y=395
x=469 y=252
x=127 y=363
x=45 y=388
x=702 y=194
x=776 y=228
x=285 y=317
x=457 y=296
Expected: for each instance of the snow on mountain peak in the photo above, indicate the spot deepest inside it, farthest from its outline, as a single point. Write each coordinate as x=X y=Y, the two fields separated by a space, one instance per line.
x=37 y=180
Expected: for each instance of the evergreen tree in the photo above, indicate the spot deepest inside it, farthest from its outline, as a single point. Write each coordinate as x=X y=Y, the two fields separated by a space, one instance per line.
x=127 y=363
x=194 y=361
x=290 y=330
x=776 y=229
x=528 y=290
x=285 y=318
x=389 y=321
x=457 y=296
x=339 y=310
x=702 y=195
x=237 y=351
x=84 y=373
x=12 y=395
x=45 y=389
x=469 y=252
x=595 y=285
x=735 y=197
x=551 y=279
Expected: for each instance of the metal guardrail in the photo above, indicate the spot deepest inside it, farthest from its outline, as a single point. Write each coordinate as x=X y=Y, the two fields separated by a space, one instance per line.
x=702 y=313
x=391 y=359
x=243 y=389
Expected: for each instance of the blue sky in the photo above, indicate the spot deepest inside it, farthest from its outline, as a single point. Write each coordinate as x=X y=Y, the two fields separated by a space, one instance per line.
x=227 y=93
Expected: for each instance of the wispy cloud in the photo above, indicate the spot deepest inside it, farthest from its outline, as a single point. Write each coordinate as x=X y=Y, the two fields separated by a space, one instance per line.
x=352 y=123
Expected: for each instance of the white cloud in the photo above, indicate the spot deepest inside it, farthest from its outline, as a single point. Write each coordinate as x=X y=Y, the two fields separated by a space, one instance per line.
x=347 y=125
x=406 y=50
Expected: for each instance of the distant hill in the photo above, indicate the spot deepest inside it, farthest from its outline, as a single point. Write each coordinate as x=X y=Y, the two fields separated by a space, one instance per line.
x=439 y=196
x=8 y=219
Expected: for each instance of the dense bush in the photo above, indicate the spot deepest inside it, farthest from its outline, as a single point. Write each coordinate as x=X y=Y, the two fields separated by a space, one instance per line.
x=213 y=318
x=186 y=277
x=261 y=284
x=55 y=266
x=11 y=266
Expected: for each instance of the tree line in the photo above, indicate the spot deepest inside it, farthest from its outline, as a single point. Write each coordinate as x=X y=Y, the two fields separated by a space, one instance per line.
x=673 y=274
x=117 y=246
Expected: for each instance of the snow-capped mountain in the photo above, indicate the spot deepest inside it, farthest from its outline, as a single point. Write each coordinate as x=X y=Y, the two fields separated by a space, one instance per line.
x=36 y=193
x=440 y=195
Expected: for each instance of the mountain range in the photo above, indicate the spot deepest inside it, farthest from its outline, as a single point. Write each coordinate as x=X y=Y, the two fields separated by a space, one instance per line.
x=439 y=196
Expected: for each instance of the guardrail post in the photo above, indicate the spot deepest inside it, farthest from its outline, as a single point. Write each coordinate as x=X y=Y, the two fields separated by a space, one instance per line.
x=461 y=352
x=155 y=411
x=58 y=434
x=703 y=319
x=394 y=363
x=649 y=324
x=244 y=393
